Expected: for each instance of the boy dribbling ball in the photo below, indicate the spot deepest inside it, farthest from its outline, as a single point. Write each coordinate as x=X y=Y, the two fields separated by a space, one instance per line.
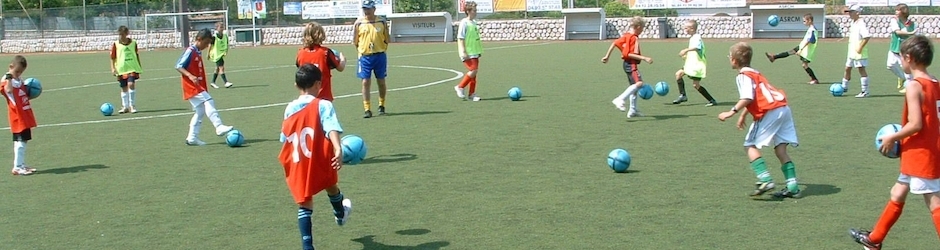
x=193 y=75
x=772 y=125
x=629 y=47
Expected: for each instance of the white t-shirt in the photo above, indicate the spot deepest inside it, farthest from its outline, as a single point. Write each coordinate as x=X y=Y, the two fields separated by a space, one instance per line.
x=857 y=33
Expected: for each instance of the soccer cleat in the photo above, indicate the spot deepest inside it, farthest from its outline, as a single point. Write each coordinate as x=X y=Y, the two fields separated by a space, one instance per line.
x=381 y=110
x=786 y=193
x=902 y=91
x=347 y=209
x=813 y=82
x=634 y=113
x=222 y=129
x=459 y=91
x=475 y=98
x=861 y=237
x=681 y=99
x=228 y=84
x=22 y=171
x=900 y=83
x=133 y=110
x=619 y=104
x=862 y=94
x=762 y=187
x=769 y=57
x=711 y=103
x=214 y=86
x=367 y=114
x=195 y=142
x=123 y=110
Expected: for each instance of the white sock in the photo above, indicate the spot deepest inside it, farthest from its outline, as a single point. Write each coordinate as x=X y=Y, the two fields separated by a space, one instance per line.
x=213 y=113
x=124 y=99
x=130 y=97
x=19 y=154
x=633 y=101
x=845 y=83
x=896 y=69
x=627 y=92
x=196 y=122
x=864 y=84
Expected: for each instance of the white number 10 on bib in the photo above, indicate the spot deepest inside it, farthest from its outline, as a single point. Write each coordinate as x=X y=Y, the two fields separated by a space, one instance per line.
x=770 y=93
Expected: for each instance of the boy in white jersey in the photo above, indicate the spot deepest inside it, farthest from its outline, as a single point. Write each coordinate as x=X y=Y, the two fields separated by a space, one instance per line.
x=806 y=49
x=901 y=29
x=694 y=66
x=857 y=56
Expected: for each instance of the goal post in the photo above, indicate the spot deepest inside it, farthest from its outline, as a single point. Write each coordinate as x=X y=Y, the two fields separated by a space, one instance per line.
x=170 y=21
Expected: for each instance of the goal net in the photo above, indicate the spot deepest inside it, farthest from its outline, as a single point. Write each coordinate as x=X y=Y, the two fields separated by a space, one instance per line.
x=162 y=30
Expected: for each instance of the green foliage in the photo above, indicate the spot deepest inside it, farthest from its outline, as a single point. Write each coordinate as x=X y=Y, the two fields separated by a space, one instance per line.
x=617 y=9
x=410 y=6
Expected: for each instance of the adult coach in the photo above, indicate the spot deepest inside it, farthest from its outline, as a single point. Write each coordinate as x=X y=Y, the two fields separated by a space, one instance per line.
x=370 y=36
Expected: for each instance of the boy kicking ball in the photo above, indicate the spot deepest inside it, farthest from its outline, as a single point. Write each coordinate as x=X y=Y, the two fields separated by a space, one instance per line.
x=806 y=50
x=772 y=125
x=629 y=47
x=194 y=89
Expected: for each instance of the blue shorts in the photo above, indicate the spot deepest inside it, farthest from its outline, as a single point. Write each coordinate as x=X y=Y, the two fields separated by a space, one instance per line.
x=377 y=63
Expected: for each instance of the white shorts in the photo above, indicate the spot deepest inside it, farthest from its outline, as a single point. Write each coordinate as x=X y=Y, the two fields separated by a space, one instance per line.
x=775 y=128
x=894 y=60
x=853 y=63
x=920 y=185
x=199 y=99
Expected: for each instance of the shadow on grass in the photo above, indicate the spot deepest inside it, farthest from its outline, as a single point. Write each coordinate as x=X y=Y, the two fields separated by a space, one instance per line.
x=368 y=242
x=389 y=158
x=71 y=170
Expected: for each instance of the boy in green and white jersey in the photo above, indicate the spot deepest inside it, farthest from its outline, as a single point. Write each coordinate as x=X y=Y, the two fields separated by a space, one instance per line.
x=217 y=52
x=806 y=49
x=125 y=65
x=470 y=49
x=901 y=29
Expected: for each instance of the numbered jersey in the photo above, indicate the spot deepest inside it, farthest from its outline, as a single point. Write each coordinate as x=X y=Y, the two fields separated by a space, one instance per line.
x=325 y=60
x=307 y=154
x=18 y=107
x=765 y=97
x=920 y=152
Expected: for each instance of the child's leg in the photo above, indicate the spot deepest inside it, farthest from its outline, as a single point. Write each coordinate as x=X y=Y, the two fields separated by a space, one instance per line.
x=342 y=207
x=305 y=224
x=696 y=82
x=933 y=203
x=125 y=98
x=787 y=167
x=19 y=153
x=196 y=122
x=892 y=210
x=131 y=93
x=469 y=76
x=213 y=114
x=847 y=76
x=809 y=71
x=681 y=83
x=863 y=76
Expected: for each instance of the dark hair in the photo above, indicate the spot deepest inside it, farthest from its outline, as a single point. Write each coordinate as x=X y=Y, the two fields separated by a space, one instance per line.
x=205 y=34
x=307 y=75
x=808 y=16
x=19 y=60
x=123 y=30
x=919 y=48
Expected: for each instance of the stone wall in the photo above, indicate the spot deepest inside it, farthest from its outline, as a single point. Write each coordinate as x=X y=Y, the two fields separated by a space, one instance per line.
x=490 y=30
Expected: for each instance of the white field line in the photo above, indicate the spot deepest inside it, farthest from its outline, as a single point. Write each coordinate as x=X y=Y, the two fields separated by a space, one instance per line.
x=457 y=75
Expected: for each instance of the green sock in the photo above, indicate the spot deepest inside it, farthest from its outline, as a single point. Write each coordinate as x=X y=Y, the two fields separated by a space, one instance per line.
x=789 y=172
x=760 y=169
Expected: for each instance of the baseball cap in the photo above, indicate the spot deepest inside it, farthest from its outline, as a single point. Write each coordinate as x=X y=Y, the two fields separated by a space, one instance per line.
x=368 y=4
x=854 y=7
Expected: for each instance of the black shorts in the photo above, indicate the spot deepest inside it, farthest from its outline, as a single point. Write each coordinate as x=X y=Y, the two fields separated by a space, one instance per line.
x=633 y=72
x=24 y=135
x=124 y=81
x=220 y=62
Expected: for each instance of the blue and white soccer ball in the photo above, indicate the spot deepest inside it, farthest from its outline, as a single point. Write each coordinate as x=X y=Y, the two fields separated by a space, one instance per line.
x=645 y=92
x=773 y=20
x=33 y=87
x=662 y=88
x=618 y=160
x=515 y=94
x=107 y=109
x=354 y=149
x=234 y=138
x=887 y=130
x=836 y=89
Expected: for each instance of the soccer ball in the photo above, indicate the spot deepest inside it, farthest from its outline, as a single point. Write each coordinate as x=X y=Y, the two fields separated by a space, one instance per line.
x=354 y=149
x=836 y=89
x=645 y=92
x=618 y=160
x=662 y=88
x=337 y=54
x=234 y=138
x=773 y=20
x=33 y=88
x=887 y=130
x=515 y=94
x=107 y=109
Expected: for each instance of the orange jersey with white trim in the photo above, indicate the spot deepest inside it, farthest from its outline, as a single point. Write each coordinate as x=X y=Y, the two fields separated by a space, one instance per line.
x=307 y=154
x=766 y=96
x=325 y=60
x=19 y=110
x=628 y=44
x=920 y=152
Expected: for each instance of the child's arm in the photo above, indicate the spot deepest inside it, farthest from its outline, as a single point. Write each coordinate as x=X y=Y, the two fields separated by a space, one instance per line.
x=903 y=33
x=741 y=121
x=742 y=103
x=337 y=160
x=113 y=59
x=184 y=62
x=609 y=50
x=638 y=56
x=862 y=44
x=914 y=98
x=342 y=63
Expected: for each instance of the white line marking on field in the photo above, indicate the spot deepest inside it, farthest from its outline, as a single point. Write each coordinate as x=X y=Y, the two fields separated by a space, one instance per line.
x=457 y=75
x=109 y=72
x=283 y=66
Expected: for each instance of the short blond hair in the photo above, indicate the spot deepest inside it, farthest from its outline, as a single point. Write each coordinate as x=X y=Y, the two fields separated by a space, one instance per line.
x=313 y=34
x=742 y=53
x=693 y=23
x=637 y=21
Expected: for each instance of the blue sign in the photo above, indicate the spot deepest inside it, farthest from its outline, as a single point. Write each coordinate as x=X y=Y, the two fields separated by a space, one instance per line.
x=292 y=8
